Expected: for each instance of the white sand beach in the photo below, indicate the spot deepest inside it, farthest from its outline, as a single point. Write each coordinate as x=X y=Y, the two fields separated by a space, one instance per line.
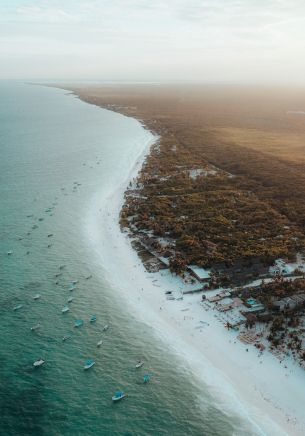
x=268 y=394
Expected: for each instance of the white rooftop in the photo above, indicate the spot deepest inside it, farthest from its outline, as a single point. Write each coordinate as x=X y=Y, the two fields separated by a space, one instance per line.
x=201 y=273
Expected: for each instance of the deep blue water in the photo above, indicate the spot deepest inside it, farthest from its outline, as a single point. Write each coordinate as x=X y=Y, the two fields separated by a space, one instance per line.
x=56 y=153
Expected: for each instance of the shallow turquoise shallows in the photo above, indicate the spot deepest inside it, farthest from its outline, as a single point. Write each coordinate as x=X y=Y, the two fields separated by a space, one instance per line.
x=56 y=154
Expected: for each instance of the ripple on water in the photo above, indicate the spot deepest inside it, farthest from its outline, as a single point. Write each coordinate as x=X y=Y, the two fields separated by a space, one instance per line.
x=55 y=140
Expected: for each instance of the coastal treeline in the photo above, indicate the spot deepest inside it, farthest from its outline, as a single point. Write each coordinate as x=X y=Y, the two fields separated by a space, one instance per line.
x=206 y=214
x=225 y=185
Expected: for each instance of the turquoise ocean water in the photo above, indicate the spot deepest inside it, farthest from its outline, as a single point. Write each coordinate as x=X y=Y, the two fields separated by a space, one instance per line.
x=56 y=153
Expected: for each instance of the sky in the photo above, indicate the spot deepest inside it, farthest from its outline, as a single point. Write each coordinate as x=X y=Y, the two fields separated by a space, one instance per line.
x=156 y=40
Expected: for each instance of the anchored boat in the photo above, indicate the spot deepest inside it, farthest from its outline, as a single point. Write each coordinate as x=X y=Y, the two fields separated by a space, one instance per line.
x=119 y=395
x=78 y=323
x=89 y=364
x=38 y=362
x=146 y=378
x=19 y=306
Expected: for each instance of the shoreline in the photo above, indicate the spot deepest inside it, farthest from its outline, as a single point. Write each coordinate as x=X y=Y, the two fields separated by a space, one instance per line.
x=241 y=379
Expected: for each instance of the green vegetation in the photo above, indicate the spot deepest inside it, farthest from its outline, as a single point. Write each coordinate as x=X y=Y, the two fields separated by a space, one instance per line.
x=212 y=216
x=246 y=202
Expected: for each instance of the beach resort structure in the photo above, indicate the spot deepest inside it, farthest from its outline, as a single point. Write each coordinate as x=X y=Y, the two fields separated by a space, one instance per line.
x=281 y=267
x=201 y=274
x=290 y=302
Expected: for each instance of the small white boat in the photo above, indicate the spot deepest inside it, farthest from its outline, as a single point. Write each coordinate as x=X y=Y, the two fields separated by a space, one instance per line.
x=99 y=343
x=65 y=309
x=119 y=395
x=105 y=328
x=70 y=299
x=89 y=364
x=9 y=253
x=19 y=306
x=38 y=362
x=35 y=327
x=139 y=364
x=72 y=288
x=74 y=282
x=36 y=297
x=66 y=337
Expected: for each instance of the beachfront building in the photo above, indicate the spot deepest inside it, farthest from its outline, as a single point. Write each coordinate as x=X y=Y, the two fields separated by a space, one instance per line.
x=255 y=308
x=164 y=260
x=229 y=303
x=280 y=267
x=290 y=302
x=201 y=274
x=218 y=297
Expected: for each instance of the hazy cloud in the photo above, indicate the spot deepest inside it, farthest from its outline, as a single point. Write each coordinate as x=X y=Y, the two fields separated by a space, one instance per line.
x=153 y=40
